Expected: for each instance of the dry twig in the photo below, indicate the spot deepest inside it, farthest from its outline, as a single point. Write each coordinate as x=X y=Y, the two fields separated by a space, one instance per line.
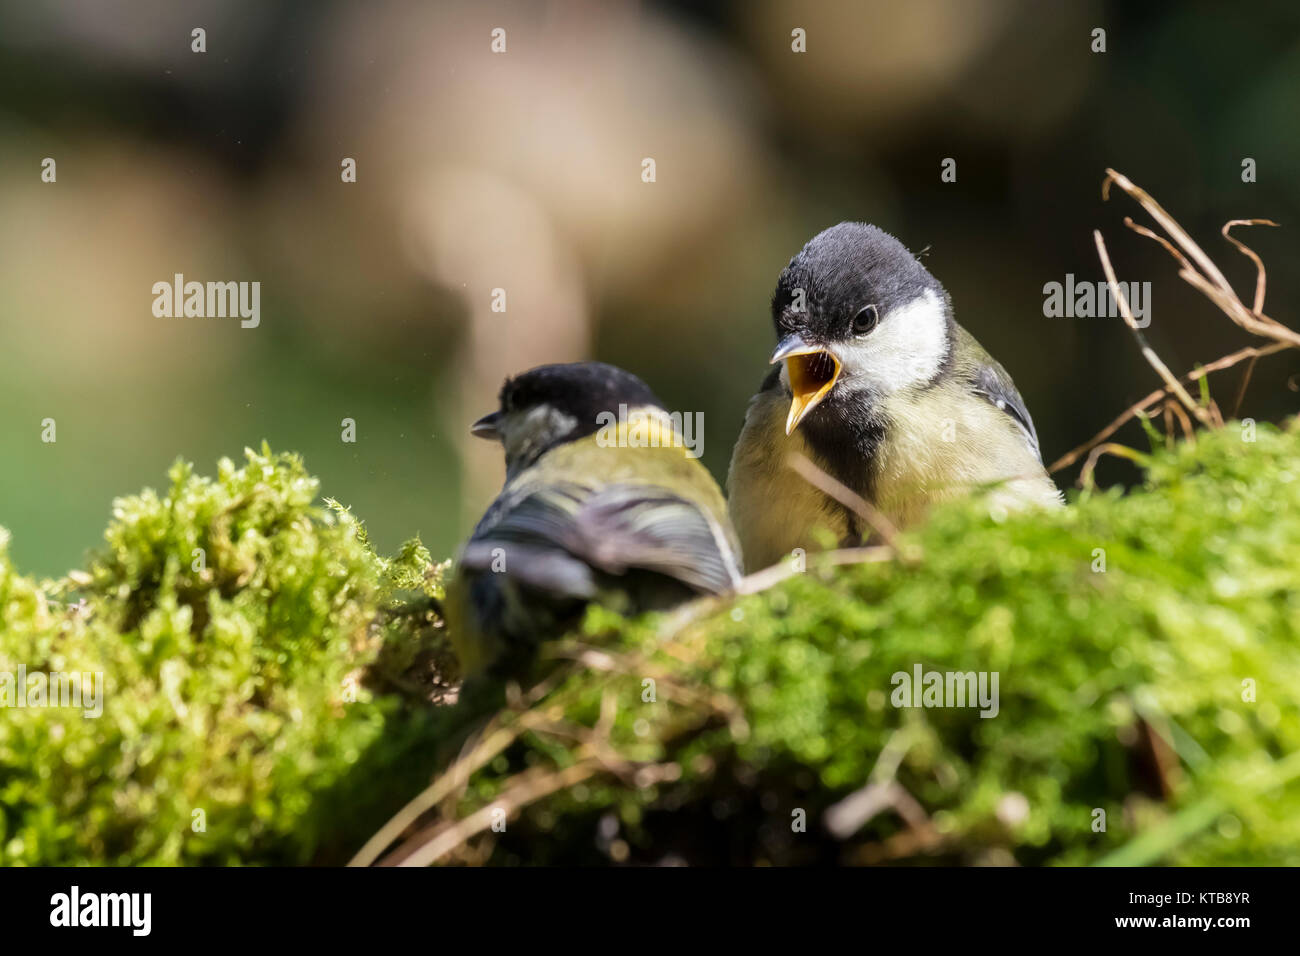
x=1210 y=281
x=833 y=488
x=1171 y=383
x=1070 y=457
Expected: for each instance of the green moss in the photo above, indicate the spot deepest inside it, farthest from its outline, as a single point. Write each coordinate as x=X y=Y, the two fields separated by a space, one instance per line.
x=232 y=623
x=265 y=666
x=1200 y=596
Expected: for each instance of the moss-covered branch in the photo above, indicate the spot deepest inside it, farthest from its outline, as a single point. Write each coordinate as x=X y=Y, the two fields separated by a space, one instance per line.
x=233 y=622
x=269 y=676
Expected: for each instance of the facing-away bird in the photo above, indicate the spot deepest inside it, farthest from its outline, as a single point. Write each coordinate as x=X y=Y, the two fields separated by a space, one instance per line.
x=601 y=503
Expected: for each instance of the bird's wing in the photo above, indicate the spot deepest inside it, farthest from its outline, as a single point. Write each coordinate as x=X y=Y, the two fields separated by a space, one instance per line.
x=522 y=534
x=629 y=526
x=991 y=382
x=551 y=537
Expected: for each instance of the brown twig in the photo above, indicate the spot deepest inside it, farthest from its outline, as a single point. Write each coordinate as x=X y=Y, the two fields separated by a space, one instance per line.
x=1245 y=381
x=1070 y=457
x=531 y=785
x=901 y=846
x=498 y=734
x=1110 y=448
x=602 y=659
x=1215 y=287
x=882 y=792
x=1165 y=220
x=768 y=577
x=597 y=755
x=1261 y=281
x=853 y=812
x=833 y=488
x=1174 y=409
x=1209 y=280
x=1171 y=383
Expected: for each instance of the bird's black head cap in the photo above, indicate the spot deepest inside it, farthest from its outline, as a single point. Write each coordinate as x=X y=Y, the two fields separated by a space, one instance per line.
x=840 y=271
x=554 y=404
x=857 y=316
x=581 y=390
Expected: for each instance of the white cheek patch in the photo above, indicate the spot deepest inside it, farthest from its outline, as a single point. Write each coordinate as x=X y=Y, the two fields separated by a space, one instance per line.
x=905 y=350
x=523 y=435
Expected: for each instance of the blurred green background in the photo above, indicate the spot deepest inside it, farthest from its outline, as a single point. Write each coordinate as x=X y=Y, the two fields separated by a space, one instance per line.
x=522 y=171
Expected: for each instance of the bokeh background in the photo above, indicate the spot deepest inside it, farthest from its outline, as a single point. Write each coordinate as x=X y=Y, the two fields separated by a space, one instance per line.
x=522 y=171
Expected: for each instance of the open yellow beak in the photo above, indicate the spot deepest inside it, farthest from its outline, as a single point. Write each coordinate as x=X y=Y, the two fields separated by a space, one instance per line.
x=813 y=372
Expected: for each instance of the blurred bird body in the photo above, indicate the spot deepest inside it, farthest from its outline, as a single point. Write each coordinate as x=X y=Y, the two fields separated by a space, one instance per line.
x=883 y=391
x=617 y=515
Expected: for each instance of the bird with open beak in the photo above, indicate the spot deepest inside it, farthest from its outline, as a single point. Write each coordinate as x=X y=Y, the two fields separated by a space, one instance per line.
x=877 y=385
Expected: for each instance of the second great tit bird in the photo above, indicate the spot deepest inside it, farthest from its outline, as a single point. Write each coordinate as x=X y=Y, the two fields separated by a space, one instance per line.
x=601 y=503
x=880 y=387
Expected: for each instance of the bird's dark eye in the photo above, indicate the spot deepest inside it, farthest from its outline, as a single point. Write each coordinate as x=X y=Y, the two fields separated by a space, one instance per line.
x=868 y=318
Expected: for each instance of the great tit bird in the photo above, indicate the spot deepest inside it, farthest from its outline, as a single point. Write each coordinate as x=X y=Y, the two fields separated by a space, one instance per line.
x=601 y=503
x=880 y=387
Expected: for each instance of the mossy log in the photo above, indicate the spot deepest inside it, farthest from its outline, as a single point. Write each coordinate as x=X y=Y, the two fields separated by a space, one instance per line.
x=274 y=690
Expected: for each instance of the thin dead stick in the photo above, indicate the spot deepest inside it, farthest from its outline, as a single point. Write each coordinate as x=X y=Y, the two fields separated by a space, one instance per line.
x=638 y=664
x=596 y=756
x=493 y=741
x=902 y=845
x=768 y=577
x=1250 y=352
x=865 y=555
x=496 y=736
x=1245 y=381
x=418 y=837
x=593 y=741
x=1210 y=281
x=687 y=614
x=1110 y=448
x=883 y=791
x=853 y=812
x=1227 y=302
x=443 y=838
x=847 y=816
x=431 y=797
x=533 y=787
x=1261 y=282
x=1149 y=353
x=1170 y=226
x=1175 y=409
x=845 y=495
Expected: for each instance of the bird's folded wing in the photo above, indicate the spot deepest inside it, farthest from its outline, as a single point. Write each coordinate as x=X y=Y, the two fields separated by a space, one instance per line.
x=992 y=383
x=613 y=529
x=545 y=569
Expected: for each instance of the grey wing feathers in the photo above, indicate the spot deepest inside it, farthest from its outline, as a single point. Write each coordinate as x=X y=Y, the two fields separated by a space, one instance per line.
x=519 y=534
x=539 y=568
x=553 y=537
x=630 y=526
x=992 y=383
